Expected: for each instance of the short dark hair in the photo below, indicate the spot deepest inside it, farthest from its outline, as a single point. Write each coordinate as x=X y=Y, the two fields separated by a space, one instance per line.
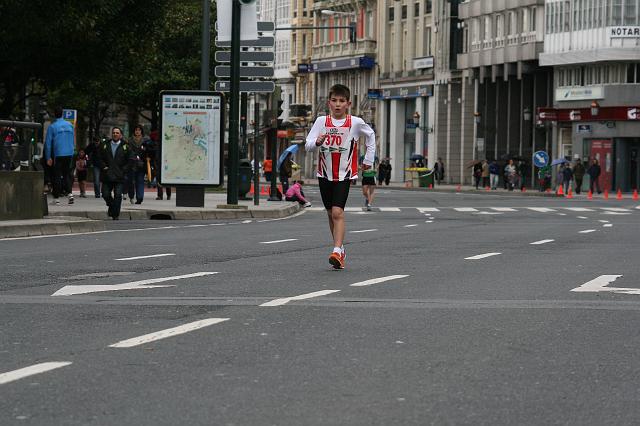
x=340 y=90
x=116 y=127
x=57 y=112
x=138 y=126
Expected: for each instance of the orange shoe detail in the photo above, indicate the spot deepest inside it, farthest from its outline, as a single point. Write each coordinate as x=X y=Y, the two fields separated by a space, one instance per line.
x=337 y=260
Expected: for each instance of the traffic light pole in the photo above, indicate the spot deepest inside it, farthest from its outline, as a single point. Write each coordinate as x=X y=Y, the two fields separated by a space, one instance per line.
x=273 y=134
x=256 y=163
x=232 y=180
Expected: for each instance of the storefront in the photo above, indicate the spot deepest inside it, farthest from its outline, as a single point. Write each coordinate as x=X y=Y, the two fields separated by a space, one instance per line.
x=610 y=135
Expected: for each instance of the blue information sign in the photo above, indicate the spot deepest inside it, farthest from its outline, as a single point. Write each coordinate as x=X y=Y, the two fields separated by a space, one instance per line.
x=540 y=159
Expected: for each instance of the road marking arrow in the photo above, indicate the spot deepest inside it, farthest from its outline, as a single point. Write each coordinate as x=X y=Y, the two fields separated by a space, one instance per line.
x=600 y=285
x=134 y=285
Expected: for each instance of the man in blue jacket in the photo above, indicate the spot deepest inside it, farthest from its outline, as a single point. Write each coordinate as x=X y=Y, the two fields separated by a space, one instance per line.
x=58 y=151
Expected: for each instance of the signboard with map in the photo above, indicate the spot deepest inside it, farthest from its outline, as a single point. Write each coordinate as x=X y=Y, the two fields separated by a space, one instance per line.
x=192 y=132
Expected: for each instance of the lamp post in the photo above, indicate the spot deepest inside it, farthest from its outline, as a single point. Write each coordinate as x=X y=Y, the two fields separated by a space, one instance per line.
x=595 y=108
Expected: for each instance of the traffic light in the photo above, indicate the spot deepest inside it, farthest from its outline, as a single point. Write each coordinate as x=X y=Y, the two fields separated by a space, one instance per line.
x=352 y=32
x=280 y=110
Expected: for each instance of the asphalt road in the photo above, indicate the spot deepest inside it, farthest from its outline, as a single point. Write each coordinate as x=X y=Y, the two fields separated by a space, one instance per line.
x=446 y=314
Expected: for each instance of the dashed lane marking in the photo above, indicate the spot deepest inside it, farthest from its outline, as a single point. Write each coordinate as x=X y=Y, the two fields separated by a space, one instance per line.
x=587 y=231
x=362 y=231
x=285 y=300
x=541 y=209
x=578 y=209
x=147 y=257
x=170 y=332
x=377 y=280
x=410 y=226
x=465 y=209
x=535 y=243
x=279 y=241
x=503 y=209
x=428 y=209
x=30 y=371
x=481 y=256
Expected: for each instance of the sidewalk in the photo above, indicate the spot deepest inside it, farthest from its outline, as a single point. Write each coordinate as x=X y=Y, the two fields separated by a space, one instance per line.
x=88 y=214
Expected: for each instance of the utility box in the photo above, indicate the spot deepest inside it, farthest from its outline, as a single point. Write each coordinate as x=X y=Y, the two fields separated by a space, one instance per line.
x=21 y=195
x=245 y=176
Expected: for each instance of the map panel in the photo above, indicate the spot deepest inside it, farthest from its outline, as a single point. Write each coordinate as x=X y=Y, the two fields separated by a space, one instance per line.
x=190 y=139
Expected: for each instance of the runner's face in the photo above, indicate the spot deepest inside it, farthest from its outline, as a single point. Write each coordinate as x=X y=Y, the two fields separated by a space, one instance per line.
x=339 y=105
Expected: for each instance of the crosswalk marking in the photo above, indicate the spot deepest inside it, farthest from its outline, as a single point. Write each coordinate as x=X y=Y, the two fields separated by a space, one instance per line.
x=578 y=209
x=541 y=209
x=503 y=209
x=389 y=209
x=486 y=210
x=428 y=209
x=465 y=209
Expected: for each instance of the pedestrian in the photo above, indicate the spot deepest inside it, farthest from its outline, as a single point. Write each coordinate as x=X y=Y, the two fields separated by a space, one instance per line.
x=336 y=137
x=494 y=174
x=81 y=172
x=560 y=177
x=267 y=167
x=115 y=160
x=157 y=166
x=92 y=152
x=510 y=174
x=58 y=151
x=135 y=176
x=544 y=178
x=485 y=174
x=578 y=175
x=384 y=172
x=567 y=177
x=594 y=173
x=522 y=174
x=477 y=173
x=368 y=186
x=439 y=170
x=295 y=193
x=285 y=172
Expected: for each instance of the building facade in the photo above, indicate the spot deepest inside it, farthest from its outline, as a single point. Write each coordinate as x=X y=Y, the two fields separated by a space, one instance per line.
x=406 y=82
x=594 y=49
x=503 y=82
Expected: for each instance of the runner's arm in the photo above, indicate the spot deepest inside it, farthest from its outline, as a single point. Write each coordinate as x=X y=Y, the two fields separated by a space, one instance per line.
x=370 y=142
x=315 y=132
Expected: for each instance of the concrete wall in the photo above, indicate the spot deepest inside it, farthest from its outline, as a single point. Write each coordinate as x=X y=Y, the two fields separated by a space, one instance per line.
x=21 y=195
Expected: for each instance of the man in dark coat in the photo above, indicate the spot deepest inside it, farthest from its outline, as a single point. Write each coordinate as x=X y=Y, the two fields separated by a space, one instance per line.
x=115 y=161
x=578 y=175
x=594 y=173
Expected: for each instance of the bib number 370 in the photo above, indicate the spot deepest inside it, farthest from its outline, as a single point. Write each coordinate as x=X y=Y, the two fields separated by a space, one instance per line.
x=333 y=140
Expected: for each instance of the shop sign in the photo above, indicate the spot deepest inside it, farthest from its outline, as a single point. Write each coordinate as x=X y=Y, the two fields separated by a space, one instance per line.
x=584 y=128
x=575 y=115
x=633 y=113
x=422 y=63
x=623 y=32
x=580 y=93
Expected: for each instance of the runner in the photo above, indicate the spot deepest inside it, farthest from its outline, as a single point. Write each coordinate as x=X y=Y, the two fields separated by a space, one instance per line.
x=338 y=136
x=368 y=186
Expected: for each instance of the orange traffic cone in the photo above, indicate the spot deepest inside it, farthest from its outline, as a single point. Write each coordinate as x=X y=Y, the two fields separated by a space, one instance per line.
x=589 y=195
x=430 y=186
x=619 y=195
x=263 y=190
x=569 y=193
x=606 y=194
x=635 y=195
x=251 y=189
x=560 y=191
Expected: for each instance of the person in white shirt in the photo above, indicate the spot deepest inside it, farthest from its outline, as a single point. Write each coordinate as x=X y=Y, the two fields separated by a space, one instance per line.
x=336 y=137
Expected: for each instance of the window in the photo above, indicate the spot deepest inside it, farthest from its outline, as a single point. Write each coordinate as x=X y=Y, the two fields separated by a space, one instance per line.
x=499 y=26
x=487 y=28
x=630 y=9
x=391 y=13
x=567 y=16
x=427 y=42
x=532 y=26
x=416 y=9
x=404 y=11
x=616 y=13
x=429 y=4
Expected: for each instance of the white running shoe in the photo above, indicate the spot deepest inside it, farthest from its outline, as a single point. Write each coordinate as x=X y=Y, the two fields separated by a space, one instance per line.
x=307 y=204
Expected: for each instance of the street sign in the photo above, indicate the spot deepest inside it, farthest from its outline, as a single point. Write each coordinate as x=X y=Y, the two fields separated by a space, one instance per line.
x=260 y=42
x=247 y=86
x=540 y=158
x=266 y=26
x=225 y=71
x=223 y=56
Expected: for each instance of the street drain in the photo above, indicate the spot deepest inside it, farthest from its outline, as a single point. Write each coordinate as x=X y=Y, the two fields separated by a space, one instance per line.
x=160 y=216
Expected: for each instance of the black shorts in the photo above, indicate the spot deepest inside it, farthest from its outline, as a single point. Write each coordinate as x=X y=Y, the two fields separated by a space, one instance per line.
x=334 y=193
x=82 y=175
x=369 y=180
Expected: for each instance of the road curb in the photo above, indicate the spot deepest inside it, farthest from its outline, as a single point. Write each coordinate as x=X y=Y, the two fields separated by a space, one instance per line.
x=50 y=226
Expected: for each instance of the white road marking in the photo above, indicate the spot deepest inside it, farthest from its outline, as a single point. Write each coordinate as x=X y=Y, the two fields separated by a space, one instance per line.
x=410 y=226
x=481 y=256
x=315 y=209
x=541 y=209
x=561 y=214
x=603 y=221
x=285 y=300
x=428 y=209
x=169 y=332
x=535 y=243
x=353 y=209
x=615 y=209
x=503 y=209
x=490 y=213
x=587 y=231
x=83 y=289
x=465 y=209
x=377 y=280
x=607 y=225
x=389 y=209
x=278 y=241
x=30 y=371
x=600 y=285
x=578 y=209
x=582 y=217
x=147 y=257
x=362 y=230
x=617 y=213
x=428 y=221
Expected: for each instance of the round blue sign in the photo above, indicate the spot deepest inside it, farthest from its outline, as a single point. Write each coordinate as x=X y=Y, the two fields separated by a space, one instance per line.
x=540 y=158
